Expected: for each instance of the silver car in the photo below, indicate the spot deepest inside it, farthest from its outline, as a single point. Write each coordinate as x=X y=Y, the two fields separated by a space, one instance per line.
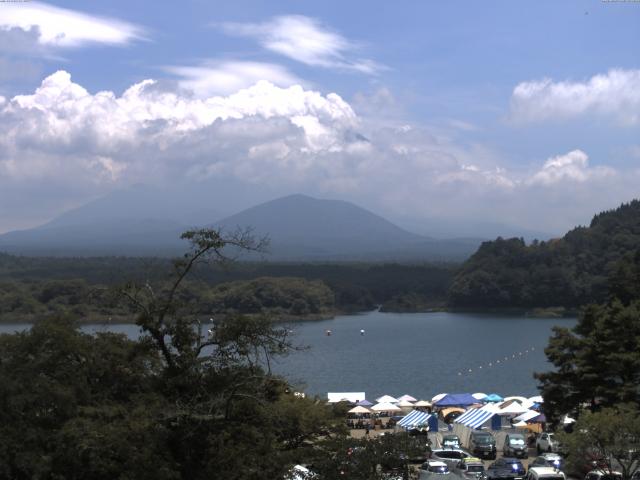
x=434 y=470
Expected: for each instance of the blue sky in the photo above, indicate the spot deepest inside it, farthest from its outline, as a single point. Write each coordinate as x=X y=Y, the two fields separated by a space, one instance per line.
x=520 y=113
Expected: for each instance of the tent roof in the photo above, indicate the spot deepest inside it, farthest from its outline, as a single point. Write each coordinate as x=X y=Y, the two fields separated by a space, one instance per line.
x=414 y=418
x=422 y=403
x=359 y=409
x=438 y=397
x=364 y=403
x=512 y=408
x=407 y=398
x=404 y=403
x=493 y=397
x=456 y=399
x=479 y=396
x=385 y=407
x=475 y=417
x=526 y=416
x=387 y=398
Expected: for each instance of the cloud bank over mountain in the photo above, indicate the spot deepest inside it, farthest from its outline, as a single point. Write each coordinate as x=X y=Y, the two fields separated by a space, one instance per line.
x=291 y=138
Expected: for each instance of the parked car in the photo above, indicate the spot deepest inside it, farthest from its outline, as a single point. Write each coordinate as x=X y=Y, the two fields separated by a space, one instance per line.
x=506 y=468
x=482 y=444
x=544 y=473
x=470 y=468
x=450 y=441
x=603 y=475
x=434 y=469
x=515 y=445
x=552 y=460
x=547 y=443
x=450 y=456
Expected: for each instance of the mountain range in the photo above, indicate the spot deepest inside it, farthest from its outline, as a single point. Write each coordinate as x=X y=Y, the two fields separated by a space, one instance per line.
x=144 y=221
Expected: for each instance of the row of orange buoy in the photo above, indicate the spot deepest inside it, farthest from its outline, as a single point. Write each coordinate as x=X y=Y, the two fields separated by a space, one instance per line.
x=500 y=361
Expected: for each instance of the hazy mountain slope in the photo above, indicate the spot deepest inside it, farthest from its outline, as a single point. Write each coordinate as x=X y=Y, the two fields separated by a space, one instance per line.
x=304 y=227
x=146 y=221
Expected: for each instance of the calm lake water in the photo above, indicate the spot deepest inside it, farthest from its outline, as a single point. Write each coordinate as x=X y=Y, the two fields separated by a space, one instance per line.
x=422 y=354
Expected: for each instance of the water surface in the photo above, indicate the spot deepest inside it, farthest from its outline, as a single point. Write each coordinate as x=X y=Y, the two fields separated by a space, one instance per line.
x=421 y=354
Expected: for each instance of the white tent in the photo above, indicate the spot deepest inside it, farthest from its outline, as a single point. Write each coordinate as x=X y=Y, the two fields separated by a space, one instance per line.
x=479 y=396
x=528 y=415
x=404 y=403
x=387 y=399
x=407 y=398
x=359 y=409
x=385 y=407
x=352 y=397
x=440 y=396
x=513 y=408
x=422 y=403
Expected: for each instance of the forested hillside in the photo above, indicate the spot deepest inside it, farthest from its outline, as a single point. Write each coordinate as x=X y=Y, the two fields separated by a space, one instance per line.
x=31 y=287
x=569 y=272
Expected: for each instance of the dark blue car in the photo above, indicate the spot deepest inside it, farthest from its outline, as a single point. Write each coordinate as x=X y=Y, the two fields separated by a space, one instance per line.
x=506 y=468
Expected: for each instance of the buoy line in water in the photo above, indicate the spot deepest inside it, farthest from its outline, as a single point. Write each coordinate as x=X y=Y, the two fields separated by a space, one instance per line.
x=499 y=362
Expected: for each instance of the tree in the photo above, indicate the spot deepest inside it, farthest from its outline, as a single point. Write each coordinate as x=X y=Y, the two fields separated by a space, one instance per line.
x=597 y=361
x=182 y=402
x=609 y=437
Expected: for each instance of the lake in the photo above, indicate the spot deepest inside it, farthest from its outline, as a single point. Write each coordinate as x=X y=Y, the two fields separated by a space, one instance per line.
x=422 y=354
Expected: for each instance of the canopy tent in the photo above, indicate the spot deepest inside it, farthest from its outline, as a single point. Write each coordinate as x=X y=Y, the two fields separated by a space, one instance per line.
x=493 y=397
x=438 y=397
x=352 y=397
x=526 y=416
x=422 y=403
x=414 y=419
x=359 y=409
x=448 y=411
x=475 y=417
x=407 y=398
x=517 y=398
x=512 y=408
x=479 y=396
x=456 y=399
x=404 y=403
x=385 y=407
x=387 y=399
x=364 y=403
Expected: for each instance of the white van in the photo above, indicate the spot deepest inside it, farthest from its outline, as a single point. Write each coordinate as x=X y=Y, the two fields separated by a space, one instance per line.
x=544 y=473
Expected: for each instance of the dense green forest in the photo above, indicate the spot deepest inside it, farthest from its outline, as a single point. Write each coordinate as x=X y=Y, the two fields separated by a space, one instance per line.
x=568 y=272
x=85 y=287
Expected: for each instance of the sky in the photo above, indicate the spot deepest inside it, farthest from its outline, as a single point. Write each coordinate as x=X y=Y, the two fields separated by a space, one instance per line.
x=518 y=113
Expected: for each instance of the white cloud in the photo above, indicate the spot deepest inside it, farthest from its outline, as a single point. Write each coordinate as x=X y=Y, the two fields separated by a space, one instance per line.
x=222 y=78
x=615 y=94
x=61 y=27
x=304 y=40
x=570 y=167
x=66 y=143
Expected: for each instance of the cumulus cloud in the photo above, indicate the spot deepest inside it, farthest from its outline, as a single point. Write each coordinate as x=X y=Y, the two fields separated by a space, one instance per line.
x=68 y=144
x=222 y=78
x=304 y=40
x=615 y=94
x=570 y=167
x=60 y=27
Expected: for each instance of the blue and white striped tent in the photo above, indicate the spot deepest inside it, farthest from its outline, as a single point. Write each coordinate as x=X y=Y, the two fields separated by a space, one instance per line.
x=414 y=419
x=475 y=417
